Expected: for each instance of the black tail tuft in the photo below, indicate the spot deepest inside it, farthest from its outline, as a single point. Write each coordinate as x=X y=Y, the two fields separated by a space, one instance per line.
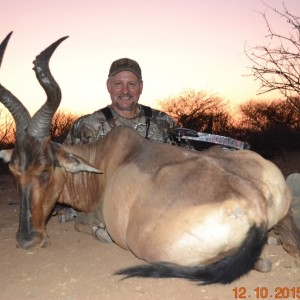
x=224 y=271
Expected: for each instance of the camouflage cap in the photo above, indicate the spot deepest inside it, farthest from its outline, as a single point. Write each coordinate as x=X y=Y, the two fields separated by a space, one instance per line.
x=125 y=64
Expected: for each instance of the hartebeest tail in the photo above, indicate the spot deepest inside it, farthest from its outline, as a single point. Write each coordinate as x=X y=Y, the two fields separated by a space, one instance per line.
x=224 y=271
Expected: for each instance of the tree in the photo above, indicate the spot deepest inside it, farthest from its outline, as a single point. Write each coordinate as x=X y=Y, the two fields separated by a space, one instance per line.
x=276 y=65
x=271 y=126
x=61 y=124
x=199 y=111
x=7 y=130
x=262 y=115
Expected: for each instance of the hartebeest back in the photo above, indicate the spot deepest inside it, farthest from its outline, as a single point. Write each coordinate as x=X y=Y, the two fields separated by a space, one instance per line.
x=197 y=215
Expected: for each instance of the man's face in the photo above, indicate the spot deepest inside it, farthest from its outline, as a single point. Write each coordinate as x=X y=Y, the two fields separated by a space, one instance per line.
x=125 y=89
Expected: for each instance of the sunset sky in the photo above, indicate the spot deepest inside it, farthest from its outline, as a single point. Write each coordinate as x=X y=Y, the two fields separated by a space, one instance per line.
x=179 y=44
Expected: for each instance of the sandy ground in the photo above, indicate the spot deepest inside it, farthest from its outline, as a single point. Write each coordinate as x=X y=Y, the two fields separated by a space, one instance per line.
x=77 y=267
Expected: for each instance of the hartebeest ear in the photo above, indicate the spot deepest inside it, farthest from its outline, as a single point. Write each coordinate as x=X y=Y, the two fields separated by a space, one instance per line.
x=6 y=154
x=74 y=164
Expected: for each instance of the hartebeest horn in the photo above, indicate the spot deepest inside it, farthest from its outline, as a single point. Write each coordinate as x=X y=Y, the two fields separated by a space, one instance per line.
x=15 y=107
x=3 y=46
x=41 y=121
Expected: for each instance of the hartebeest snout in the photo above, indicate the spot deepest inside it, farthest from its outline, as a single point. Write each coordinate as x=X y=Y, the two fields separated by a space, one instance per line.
x=203 y=216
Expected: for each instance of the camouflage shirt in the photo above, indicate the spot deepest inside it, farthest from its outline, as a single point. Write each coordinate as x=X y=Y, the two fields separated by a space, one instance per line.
x=92 y=127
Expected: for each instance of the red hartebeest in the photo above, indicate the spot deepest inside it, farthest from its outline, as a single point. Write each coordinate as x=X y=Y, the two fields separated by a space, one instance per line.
x=203 y=216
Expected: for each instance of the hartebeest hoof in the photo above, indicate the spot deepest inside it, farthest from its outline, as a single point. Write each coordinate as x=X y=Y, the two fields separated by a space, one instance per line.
x=289 y=235
x=273 y=240
x=66 y=214
x=288 y=228
x=101 y=234
x=98 y=232
x=263 y=265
